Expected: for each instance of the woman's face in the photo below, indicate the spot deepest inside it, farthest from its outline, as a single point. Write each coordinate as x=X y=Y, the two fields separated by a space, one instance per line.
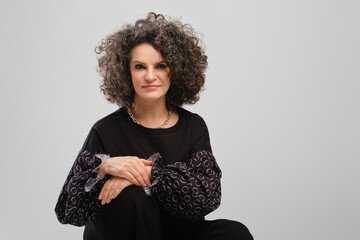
x=149 y=73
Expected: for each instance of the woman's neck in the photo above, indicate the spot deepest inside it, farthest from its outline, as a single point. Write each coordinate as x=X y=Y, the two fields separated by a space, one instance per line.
x=150 y=114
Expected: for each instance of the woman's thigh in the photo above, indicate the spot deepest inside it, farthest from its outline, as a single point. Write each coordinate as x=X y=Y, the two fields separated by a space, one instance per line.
x=223 y=229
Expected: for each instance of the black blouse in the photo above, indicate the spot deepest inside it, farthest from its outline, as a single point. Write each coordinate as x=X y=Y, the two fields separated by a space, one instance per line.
x=187 y=175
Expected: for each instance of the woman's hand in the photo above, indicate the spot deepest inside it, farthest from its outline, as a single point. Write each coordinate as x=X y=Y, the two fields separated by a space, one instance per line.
x=112 y=188
x=131 y=168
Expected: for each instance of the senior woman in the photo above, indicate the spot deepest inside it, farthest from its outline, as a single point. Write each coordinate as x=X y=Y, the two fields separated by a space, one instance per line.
x=146 y=171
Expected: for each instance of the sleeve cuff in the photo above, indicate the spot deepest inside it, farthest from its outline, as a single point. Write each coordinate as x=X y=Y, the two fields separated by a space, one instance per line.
x=94 y=177
x=148 y=190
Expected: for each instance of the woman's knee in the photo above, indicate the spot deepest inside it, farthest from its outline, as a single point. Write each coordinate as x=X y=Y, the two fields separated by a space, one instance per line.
x=226 y=229
x=239 y=230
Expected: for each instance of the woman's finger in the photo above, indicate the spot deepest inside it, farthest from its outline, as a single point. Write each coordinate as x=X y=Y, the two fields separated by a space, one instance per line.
x=136 y=171
x=117 y=183
x=103 y=192
x=147 y=162
x=107 y=190
x=141 y=169
x=111 y=189
x=144 y=169
x=144 y=173
x=118 y=190
x=130 y=177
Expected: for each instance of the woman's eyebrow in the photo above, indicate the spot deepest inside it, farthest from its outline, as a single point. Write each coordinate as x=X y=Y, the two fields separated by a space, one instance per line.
x=137 y=61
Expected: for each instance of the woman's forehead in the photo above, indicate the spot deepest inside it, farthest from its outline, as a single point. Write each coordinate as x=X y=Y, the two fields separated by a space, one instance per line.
x=145 y=52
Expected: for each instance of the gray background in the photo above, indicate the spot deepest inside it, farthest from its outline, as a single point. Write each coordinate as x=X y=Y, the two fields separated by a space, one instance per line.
x=281 y=103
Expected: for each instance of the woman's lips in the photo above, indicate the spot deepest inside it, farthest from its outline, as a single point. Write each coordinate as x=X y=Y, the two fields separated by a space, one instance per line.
x=151 y=87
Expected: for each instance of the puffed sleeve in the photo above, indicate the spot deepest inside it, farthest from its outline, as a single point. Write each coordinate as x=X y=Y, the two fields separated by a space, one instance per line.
x=189 y=190
x=78 y=202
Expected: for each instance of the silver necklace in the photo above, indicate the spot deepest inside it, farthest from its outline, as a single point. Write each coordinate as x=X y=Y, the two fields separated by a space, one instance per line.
x=161 y=126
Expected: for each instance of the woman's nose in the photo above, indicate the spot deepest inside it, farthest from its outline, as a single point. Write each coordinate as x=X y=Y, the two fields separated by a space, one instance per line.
x=150 y=75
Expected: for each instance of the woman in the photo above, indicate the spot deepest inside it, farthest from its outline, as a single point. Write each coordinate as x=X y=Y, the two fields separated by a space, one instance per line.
x=147 y=171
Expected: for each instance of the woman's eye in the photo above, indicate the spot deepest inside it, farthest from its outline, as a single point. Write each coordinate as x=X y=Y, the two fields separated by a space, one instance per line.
x=139 y=66
x=162 y=66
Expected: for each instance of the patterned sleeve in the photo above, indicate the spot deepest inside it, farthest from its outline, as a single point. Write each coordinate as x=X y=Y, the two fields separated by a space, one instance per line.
x=188 y=191
x=75 y=205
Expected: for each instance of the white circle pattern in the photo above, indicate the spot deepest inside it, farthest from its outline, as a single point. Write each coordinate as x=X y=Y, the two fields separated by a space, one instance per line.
x=195 y=188
x=75 y=206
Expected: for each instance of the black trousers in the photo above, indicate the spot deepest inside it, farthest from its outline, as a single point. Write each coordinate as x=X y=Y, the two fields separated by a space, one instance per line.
x=135 y=216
